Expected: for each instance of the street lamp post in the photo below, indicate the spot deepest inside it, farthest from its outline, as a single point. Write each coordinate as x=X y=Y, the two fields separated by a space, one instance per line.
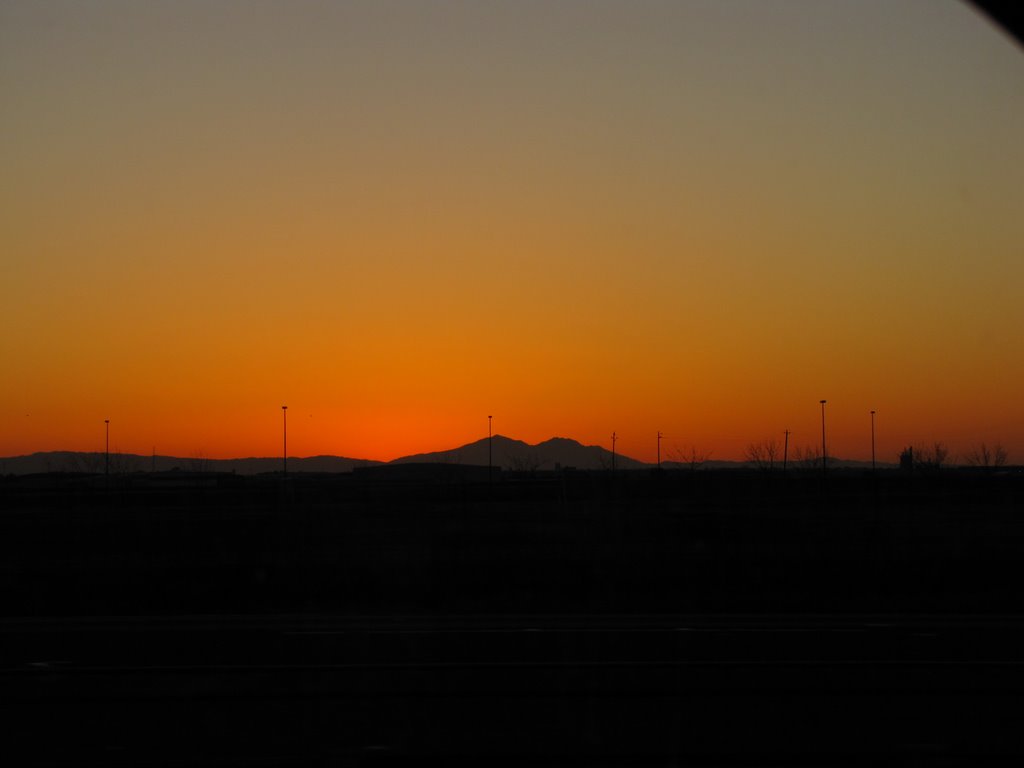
x=613 y=451
x=824 y=451
x=284 y=413
x=659 y=449
x=106 y=450
x=490 y=453
x=872 y=441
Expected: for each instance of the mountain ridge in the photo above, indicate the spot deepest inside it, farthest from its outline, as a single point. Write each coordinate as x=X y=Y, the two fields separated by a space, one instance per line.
x=505 y=453
x=517 y=455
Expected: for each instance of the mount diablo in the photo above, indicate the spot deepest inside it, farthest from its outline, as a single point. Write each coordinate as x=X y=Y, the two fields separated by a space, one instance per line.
x=519 y=456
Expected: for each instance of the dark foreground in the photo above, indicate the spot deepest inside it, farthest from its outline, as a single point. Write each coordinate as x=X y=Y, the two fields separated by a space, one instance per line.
x=515 y=690
x=575 y=620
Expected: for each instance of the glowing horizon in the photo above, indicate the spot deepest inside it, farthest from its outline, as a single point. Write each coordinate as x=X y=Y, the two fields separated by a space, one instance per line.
x=583 y=217
x=673 y=447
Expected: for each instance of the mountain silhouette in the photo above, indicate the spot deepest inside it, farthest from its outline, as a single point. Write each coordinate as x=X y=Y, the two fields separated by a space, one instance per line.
x=516 y=455
x=507 y=454
x=95 y=462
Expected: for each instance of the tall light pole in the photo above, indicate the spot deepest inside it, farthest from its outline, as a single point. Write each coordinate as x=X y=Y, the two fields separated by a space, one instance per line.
x=489 y=446
x=284 y=413
x=659 y=449
x=785 y=452
x=613 y=451
x=824 y=451
x=872 y=441
x=106 y=451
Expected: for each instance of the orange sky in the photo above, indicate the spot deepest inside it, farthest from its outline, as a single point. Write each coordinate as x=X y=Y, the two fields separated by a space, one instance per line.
x=693 y=217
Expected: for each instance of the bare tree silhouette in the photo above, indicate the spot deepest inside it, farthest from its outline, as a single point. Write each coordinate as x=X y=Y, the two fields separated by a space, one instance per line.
x=762 y=455
x=983 y=456
x=694 y=459
x=526 y=462
x=807 y=458
x=915 y=457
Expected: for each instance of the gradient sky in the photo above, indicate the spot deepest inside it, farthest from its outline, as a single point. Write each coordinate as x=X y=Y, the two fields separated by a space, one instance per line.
x=580 y=217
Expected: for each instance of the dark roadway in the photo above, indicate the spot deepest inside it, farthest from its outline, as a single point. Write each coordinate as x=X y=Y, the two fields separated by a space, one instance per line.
x=513 y=690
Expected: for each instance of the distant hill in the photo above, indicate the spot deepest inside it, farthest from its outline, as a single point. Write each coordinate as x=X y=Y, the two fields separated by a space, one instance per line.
x=76 y=461
x=508 y=454
x=516 y=455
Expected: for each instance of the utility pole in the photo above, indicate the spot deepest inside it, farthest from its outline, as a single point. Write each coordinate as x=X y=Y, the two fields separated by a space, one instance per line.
x=284 y=412
x=872 y=442
x=659 y=449
x=613 y=451
x=785 y=451
x=824 y=451
x=106 y=451
x=489 y=452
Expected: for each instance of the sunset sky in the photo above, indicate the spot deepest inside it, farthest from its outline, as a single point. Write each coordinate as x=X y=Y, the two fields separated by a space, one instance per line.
x=578 y=216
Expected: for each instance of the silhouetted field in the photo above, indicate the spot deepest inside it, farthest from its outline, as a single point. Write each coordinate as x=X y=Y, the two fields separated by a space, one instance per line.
x=577 y=542
x=706 y=618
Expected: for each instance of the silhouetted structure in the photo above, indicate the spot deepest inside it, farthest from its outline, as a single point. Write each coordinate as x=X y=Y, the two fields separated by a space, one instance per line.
x=907 y=459
x=284 y=411
x=824 y=450
x=872 y=441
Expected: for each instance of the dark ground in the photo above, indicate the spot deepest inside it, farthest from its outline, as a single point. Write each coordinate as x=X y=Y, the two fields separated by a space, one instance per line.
x=708 y=618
